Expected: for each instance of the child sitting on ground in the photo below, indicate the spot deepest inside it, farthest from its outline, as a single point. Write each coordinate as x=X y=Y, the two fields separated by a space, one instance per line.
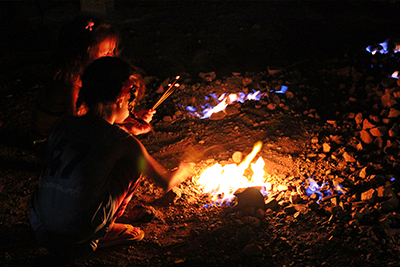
x=93 y=167
x=79 y=43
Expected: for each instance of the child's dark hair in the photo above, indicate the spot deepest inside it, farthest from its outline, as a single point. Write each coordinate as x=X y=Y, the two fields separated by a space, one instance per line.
x=102 y=82
x=75 y=40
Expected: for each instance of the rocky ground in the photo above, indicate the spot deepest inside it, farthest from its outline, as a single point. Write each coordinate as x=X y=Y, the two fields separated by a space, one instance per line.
x=337 y=125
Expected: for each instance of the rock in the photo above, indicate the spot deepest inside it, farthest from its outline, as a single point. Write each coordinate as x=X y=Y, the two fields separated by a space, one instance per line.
x=249 y=197
x=298 y=215
x=314 y=140
x=393 y=132
x=295 y=198
x=252 y=250
x=218 y=115
x=378 y=131
x=357 y=215
x=272 y=204
x=332 y=122
x=248 y=211
x=289 y=94
x=390 y=147
x=282 y=187
x=375 y=118
x=273 y=70
x=274 y=98
x=366 y=137
x=335 y=139
x=246 y=81
x=388 y=100
x=385 y=192
x=290 y=210
x=390 y=204
x=376 y=180
x=348 y=158
x=260 y=214
x=251 y=221
x=271 y=106
x=326 y=147
x=378 y=142
x=209 y=76
x=365 y=211
x=393 y=113
x=359 y=118
x=237 y=157
x=367 y=124
x=232 y=110
x=313 y=205
x=359 y=147
x=354 y=223
x=369 y=196
x=169 y=198
x=167 y=119
x=363 y=173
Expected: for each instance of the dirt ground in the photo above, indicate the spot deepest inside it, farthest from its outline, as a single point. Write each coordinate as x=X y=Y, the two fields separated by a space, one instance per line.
x=309 y=42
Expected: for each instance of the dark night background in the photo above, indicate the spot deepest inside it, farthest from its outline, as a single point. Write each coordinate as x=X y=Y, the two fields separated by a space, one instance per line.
x=166 y=37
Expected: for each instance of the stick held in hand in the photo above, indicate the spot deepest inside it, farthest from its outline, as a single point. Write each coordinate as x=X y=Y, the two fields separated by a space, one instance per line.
x=167 y=93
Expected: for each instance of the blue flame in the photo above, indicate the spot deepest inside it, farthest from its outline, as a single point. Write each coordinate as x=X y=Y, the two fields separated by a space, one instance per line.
x=218 y=203
x=282 y=90
x=315 y=188
x=379 y=48
x=207 y=109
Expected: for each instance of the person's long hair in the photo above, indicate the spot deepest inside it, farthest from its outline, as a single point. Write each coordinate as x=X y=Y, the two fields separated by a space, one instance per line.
x=78 y=43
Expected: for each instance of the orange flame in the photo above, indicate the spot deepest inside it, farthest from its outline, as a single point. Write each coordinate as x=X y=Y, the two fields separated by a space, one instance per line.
x=223 y=181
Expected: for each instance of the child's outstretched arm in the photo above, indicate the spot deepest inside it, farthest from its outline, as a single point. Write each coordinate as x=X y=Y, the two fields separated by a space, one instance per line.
x=151 y=168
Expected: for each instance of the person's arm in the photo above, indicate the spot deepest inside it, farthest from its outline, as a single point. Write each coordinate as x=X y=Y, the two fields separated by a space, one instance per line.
x=152 y=169
x=135 y=126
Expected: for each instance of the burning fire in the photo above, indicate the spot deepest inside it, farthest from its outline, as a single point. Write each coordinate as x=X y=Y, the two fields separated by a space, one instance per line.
x=223 y=101
x=226 y=99
x=384 y=47
x=223 y=181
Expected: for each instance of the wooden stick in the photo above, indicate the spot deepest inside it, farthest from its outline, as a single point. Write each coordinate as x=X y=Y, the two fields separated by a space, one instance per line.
x=167 y=93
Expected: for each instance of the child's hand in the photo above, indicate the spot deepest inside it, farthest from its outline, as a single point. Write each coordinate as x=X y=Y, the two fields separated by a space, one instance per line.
x=135 y=127
x=184 y=172
x=145 y=114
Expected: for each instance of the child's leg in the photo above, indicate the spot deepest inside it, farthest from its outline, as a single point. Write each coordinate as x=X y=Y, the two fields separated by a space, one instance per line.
x=123 y=197
x=119 y=233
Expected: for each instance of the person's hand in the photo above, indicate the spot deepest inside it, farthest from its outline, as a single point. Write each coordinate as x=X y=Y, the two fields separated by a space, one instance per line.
x=135 y=127
x=82 y=110
x=185 y=171
x=145 y=114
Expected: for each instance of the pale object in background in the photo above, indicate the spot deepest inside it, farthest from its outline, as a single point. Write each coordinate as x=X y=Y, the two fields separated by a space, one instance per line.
x=97 y=6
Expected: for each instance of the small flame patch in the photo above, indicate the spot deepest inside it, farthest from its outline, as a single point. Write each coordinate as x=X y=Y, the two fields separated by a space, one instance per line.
x=222 y=102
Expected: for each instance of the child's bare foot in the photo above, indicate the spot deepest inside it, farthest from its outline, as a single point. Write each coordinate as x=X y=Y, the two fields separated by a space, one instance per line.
x=120 y=234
